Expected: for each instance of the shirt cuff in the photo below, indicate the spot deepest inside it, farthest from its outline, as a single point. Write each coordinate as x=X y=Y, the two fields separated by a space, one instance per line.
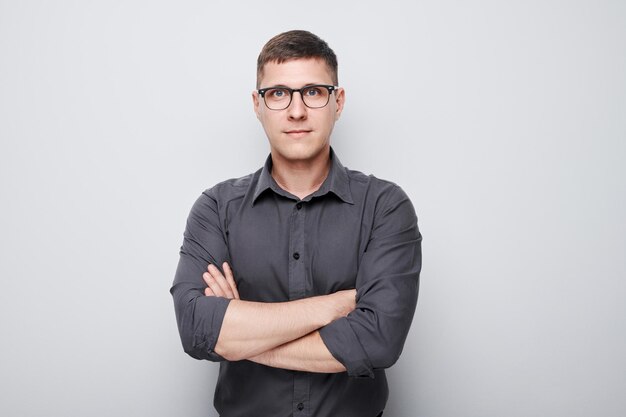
x=207 y=340
x=344 y=345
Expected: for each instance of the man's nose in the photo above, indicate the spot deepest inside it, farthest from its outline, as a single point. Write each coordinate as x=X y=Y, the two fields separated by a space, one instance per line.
x=297 y=109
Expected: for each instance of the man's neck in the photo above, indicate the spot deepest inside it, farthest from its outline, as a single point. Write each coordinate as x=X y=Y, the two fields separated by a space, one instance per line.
x=301 y=178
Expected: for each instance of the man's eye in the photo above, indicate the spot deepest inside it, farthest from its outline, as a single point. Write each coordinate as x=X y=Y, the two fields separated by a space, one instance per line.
x=277 y=93
x=313 y=91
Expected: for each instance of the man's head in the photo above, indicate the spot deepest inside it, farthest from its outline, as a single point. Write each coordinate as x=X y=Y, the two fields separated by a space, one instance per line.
x=293 y=67
x=296 y=44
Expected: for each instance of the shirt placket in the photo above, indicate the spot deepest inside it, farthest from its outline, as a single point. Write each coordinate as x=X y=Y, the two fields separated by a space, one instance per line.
x=297 y=290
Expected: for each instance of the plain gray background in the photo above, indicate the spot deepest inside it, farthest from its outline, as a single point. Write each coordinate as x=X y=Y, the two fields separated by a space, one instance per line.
x=504 y=122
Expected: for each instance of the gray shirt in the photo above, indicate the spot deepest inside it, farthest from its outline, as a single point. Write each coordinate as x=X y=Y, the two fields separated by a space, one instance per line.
x=356 y=231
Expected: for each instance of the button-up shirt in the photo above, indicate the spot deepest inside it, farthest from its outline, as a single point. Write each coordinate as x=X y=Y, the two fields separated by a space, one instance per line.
x=355 y=231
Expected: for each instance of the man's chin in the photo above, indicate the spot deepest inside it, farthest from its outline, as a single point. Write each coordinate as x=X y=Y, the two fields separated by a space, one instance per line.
x=299 y=153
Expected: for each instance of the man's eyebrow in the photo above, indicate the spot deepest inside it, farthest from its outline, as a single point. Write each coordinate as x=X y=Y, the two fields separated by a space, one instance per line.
x=286 y=86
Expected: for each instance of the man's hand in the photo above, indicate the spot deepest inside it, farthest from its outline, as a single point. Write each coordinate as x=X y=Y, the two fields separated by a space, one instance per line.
x=219 y=285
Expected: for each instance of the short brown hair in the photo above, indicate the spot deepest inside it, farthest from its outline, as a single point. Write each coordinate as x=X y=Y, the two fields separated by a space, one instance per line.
x=296 y=44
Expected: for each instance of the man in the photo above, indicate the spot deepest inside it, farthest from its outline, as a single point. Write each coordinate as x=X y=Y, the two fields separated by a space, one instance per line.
x=302 y=278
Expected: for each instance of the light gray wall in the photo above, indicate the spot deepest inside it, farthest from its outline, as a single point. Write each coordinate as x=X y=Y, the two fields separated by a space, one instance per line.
x=504 y=121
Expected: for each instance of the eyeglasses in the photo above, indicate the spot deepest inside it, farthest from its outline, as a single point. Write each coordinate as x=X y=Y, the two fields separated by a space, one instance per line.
x=313 y=96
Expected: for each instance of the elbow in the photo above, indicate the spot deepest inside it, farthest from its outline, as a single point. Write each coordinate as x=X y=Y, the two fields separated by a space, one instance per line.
x=197 y=334
x=191 y=349
x=199 y=348
x=386 y=355
x=385 y=361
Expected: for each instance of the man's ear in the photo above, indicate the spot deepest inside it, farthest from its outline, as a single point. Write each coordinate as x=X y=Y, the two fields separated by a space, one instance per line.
x=255 y=103
x=340 y=98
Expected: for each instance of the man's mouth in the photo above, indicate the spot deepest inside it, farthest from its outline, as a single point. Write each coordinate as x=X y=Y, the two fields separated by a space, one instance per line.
x=297 y=133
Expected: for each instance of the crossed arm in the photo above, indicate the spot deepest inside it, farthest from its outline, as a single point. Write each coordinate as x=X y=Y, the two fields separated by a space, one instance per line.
x=281 y=335
x=319 y=334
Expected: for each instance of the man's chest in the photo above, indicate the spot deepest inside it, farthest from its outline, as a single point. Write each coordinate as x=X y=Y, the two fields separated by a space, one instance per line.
x=283 y=250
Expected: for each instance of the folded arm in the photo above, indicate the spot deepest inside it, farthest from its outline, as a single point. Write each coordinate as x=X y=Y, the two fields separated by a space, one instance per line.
x=372 y=336
x=251 y=328
x=281 y=335
x=213 y=322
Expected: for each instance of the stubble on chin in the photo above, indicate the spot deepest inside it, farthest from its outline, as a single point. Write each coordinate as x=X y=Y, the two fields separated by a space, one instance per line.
x=299 y=152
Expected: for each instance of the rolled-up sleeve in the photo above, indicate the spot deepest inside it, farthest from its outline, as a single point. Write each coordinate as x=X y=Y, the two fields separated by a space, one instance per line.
x=199 y=317
x=373 y=335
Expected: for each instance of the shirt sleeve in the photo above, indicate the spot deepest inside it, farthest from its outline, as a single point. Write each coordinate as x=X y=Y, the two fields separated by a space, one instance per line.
x=199 y=318
x=373 y=335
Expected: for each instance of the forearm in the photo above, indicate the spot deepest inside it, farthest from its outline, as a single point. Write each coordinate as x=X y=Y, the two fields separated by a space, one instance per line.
x=308 y=353
x=251 y=328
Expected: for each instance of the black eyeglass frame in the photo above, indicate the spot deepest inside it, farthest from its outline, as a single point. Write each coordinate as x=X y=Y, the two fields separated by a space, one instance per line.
x=330 y=88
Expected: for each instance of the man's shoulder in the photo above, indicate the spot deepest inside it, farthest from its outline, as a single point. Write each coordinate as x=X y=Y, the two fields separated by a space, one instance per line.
x=387 y=202
x=232 y=188
x=372 y=184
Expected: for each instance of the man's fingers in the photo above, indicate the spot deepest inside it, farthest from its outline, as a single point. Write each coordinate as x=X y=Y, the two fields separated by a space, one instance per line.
x=220 y=285
x=213 y=285
x=230 y=278
x=208 y=292
x=224 y=286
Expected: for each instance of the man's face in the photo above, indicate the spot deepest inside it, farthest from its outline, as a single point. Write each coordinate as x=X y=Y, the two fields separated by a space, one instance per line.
x=298 y=133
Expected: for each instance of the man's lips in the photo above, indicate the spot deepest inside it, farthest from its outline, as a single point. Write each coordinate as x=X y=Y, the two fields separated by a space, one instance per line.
x=297 y=133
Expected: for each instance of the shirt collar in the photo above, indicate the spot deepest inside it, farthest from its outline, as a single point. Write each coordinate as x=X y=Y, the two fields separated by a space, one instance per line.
x=337 y=181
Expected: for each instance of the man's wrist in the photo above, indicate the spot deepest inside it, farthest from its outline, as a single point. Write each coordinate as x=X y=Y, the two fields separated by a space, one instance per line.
x=339 y=304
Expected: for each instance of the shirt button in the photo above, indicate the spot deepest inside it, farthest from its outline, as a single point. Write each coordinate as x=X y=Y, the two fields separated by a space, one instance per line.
x=299 y=206
x=296 y=256
x=300 y=406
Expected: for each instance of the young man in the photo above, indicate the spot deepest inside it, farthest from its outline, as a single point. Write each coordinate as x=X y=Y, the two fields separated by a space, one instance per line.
x=302 y=278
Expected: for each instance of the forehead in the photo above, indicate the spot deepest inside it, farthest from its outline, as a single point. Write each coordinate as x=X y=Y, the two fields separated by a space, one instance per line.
x=296 y=73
